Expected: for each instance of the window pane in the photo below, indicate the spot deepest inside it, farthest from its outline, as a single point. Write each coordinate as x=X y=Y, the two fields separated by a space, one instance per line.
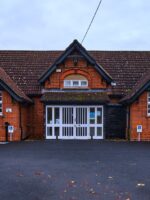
x=148 y=109
x=99 y=131
x=49 y=131
x=92 y=115
x=75 y=83
x=56 y=116
x=67 y=83
x=0 y=102
x=99 y=115
x=92 y=131
x=83 y=83
x=148 y=104
x=49 y=115
x=56 y=131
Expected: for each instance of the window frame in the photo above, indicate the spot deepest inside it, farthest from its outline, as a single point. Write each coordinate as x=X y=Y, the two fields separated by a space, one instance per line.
x=71 y=85
x=1 y=103
x=148 y=104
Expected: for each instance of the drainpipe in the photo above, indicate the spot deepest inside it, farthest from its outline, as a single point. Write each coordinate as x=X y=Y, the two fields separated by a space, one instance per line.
x=6 y=131
x=128 y=122
x=20 y=119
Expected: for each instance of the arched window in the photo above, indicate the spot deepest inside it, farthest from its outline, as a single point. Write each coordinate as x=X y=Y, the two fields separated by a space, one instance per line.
x=75 y=81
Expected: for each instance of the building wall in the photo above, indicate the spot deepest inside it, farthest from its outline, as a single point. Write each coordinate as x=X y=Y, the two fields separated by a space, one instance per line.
x=28 y=120
x=36 y=119
x=82 y=68
x=12 y=118
x=25 y=120
x=138 y=116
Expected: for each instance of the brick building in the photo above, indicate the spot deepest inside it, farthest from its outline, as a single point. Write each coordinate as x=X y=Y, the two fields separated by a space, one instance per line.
x=74 y=94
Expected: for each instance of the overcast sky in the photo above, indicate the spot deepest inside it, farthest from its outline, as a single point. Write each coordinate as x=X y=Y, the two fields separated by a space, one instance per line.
x=54 y=24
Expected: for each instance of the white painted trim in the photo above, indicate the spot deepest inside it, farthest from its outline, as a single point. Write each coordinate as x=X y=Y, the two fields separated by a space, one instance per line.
x=148 y=103
x=74 y=125
x=1 y=102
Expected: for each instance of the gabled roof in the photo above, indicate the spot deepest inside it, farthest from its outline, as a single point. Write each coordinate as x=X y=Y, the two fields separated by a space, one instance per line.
x=10 y=86
x=26 y=67
x=75 y=45
x=142 y=85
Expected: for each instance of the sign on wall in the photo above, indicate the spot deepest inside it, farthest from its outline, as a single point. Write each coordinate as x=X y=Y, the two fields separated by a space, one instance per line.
x=8 y=110
x=10 y=129
x=139 y=128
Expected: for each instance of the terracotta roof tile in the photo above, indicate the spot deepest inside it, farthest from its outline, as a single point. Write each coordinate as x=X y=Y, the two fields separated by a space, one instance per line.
x=4 y=77
x=138 y=86
x=25 y=67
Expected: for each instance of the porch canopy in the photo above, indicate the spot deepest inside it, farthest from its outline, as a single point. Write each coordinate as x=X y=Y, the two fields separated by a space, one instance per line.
x=75 y=98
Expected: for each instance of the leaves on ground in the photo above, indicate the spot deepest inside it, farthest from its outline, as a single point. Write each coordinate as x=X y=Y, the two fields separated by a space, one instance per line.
x=140 y=184
x=19 y=174
x=39 y=173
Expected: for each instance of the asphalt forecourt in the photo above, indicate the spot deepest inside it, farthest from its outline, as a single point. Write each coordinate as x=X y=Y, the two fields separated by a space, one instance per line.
x=75 y=170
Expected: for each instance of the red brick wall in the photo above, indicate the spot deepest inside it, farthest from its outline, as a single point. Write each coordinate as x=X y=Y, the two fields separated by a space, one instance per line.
x=32 y=118
x=36 y=119
x=94 y=79
x=139 y=116
x=12 y=118
x=25 y=120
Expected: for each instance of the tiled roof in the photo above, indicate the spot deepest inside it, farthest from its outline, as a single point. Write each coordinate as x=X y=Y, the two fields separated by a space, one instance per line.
x=75 y=97
x=26 y=67
x=140 y=86
x=5 y=80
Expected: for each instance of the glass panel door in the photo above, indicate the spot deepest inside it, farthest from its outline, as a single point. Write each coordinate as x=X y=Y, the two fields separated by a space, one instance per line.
x=67 y=122
x=74 y=122
x=81 y=128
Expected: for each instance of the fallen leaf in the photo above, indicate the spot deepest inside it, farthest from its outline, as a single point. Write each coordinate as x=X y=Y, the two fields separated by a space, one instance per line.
x=92 y=191
x=73 y=182
x=39 y=173
x=140 y=184
x=49 y=176
x=19 y=174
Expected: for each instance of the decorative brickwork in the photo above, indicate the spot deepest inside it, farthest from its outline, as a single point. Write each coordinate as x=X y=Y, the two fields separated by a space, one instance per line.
x=56 y=80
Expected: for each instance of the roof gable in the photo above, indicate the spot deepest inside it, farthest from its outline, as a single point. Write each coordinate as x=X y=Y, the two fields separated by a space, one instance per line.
x=10 y=86
x=142 y=85
x=76 y=46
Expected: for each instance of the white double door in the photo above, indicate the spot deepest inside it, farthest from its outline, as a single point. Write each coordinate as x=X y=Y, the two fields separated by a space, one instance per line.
x=74 y=122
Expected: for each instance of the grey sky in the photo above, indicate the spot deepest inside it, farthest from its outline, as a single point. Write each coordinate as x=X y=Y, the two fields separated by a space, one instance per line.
x=54 y=24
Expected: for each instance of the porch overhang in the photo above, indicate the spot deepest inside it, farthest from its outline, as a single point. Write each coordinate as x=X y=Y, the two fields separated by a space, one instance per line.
x=76 y=98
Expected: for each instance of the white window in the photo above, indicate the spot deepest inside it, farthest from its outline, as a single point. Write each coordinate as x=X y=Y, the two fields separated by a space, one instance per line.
x=148 y=104
x=67 y=83
x=1 y=102
x=75 y=83
x=84 y=83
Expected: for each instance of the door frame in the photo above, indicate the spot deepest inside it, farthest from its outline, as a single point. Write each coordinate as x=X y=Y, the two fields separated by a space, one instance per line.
x=60 y=125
